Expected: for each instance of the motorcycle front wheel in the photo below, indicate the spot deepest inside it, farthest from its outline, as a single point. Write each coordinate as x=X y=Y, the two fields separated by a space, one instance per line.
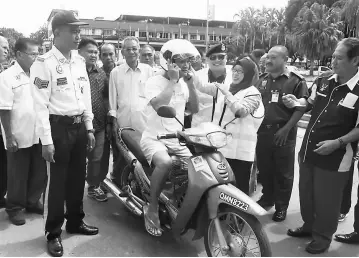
x=243 y=232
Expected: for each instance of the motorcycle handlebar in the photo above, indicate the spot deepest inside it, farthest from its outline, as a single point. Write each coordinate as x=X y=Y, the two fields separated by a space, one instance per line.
x=167 y=136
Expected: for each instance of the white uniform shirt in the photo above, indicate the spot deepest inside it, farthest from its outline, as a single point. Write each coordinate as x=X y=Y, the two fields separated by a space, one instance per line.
x=61 y=87
x=127 y=95
x=206 y=101
x=16 y=97
x=159 y=125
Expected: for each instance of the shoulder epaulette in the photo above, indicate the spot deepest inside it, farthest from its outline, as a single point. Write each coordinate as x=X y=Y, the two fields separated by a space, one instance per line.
x=326 y=74
x=297 y=74
x=262 y=75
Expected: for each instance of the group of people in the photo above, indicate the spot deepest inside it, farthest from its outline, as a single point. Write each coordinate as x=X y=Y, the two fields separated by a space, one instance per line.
x=60 y=114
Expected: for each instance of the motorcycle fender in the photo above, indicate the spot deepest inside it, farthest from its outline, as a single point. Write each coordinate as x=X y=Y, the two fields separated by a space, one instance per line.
x=199 y=180
x=231 y=195
x=201 y=221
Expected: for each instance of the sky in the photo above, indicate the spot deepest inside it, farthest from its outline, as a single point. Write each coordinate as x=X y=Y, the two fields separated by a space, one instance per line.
x=26 y=16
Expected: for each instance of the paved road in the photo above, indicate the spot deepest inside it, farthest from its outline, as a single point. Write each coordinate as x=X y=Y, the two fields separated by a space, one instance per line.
x=122 y=234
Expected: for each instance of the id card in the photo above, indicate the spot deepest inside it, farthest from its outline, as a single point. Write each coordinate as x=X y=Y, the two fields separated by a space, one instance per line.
x=275 y=96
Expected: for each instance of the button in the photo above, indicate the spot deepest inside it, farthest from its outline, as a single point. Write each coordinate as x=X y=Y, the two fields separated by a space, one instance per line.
x=318 y=121
x=269 y=101
x=325 y=111
x=273 y=80
x=312 y=131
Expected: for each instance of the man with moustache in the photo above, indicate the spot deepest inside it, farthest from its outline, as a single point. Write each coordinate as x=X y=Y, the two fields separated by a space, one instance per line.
x=277 y=135
x=88 y=49
x=4 y=51
x=64 y=122
x=217 y=71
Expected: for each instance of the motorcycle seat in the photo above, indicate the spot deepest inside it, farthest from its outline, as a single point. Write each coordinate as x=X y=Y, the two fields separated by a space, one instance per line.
x=132 y=140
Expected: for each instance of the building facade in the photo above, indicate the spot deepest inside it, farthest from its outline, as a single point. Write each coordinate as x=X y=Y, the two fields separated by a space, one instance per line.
x=152 y=30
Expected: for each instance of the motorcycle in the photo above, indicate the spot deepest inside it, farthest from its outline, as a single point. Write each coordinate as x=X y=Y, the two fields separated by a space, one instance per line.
x=199 y=193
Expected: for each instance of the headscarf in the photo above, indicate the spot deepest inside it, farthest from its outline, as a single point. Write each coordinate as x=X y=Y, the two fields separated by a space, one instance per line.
x=248 y=71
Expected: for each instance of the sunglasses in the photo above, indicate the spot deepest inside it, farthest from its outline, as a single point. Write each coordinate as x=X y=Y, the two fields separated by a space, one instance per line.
x=217 y=57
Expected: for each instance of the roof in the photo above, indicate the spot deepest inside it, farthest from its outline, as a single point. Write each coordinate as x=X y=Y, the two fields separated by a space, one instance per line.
x=100 y=24
x=175 y=20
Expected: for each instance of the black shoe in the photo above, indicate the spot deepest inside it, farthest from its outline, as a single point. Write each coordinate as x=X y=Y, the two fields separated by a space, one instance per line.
x=315 y=247
x=83 y=229
x=55 y=248
x=17 y=217
x=265 y=203
x=352 y=238
x=38 y=208
x=298 y=232
x=279 y=216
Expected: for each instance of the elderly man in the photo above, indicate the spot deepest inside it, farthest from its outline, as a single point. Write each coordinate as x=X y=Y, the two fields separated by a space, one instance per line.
x=329 y=145
x=4 y=50
x=63 y=105
x=26 y=169
x=127 y=89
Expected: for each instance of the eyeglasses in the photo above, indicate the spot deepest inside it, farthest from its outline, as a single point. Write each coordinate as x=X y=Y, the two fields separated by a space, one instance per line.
x=33 y=55
x=237 y=71
x=217 y=57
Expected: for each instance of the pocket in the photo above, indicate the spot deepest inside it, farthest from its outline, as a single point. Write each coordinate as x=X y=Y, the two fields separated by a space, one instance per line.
x=347 y=113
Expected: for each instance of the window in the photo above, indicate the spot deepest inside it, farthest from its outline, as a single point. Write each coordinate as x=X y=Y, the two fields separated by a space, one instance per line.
x=93 y=32
x=185 y=36
x=176 y=36
x=211 y=37
x=193 y=37
x=108 y=32
x=143 y=34
x=202 y=37
x=151 y=34
x=86 y=31
x=165 y=35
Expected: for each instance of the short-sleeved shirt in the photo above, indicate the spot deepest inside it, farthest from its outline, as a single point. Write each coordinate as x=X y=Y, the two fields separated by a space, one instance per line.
x=97 y=79
x=273 y=89
x=159 y=125
x=60 y=87
x=16 y=96
x=334 y=114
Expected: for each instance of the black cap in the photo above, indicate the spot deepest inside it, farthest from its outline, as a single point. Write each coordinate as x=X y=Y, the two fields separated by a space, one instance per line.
x=216 y=49
x=66 y=18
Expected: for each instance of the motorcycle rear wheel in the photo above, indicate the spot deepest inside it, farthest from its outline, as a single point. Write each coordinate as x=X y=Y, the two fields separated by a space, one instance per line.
x=233 y=220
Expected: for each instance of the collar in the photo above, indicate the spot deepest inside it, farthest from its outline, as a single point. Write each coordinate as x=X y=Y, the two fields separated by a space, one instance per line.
x=286 y=73
x=127 y=67
x=351 y=83
x=94 y=69
x=219 y=79
x=109 y=69
x=17 y=69
x=60 y=57
x=1 y=68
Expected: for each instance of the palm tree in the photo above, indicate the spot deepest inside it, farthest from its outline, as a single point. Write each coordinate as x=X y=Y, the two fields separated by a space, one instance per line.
x=316 y=31
x=350 y=15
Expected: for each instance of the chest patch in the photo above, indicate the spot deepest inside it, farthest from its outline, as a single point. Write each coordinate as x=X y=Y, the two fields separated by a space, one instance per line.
x=61 y=81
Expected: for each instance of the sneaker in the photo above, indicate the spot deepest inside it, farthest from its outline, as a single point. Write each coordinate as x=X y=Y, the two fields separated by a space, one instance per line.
x=342 y=217
x=17 y=217
x=97 y=194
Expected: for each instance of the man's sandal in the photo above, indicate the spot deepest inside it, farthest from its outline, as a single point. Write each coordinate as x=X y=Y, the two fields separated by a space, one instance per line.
x=150 y=226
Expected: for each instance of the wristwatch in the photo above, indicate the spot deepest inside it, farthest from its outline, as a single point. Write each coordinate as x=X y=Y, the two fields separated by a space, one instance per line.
x=91 y=131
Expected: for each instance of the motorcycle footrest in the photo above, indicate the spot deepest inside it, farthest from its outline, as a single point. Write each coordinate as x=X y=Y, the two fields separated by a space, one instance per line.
x=124 y=194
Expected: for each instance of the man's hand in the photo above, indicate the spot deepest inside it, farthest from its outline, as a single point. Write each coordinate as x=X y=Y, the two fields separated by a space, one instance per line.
x=188 y=77
x=327 y=147
x=280 y=137
x=90 y=141
x=173 y=71
x=11 y=144
x=48 y=152
x=290 y=101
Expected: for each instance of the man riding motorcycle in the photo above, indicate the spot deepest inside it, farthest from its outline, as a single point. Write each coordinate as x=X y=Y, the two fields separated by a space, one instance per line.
x=174 y=88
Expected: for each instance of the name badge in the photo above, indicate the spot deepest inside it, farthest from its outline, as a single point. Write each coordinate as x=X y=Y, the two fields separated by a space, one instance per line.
x=275 y=96
x=349 y=100
x=61 y=81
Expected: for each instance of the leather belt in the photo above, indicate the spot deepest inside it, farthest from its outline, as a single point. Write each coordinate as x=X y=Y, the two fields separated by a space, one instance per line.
x=270 y=126
x=67 y=120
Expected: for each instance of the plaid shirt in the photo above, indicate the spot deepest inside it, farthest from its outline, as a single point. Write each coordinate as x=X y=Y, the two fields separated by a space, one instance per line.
x=97 y=82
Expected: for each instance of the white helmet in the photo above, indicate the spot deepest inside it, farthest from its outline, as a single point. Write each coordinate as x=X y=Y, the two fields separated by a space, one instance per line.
x=177 y=47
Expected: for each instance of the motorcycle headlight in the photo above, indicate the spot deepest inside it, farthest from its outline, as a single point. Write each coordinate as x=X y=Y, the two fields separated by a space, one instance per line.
x=217 y=139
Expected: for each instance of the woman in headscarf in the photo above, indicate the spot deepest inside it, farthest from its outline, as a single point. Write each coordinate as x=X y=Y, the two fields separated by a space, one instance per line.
x=240 y=110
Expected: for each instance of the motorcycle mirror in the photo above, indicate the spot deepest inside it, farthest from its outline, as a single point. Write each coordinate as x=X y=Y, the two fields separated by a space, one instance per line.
x=166 y=112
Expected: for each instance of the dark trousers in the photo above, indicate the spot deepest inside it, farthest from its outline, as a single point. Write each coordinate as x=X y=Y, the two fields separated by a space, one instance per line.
x=3 y=171
x=242 y=173
x=347 y=193
x=95 y=172
x=66 y=178
x=26 y=178
x=320 y=193
x=276 y=167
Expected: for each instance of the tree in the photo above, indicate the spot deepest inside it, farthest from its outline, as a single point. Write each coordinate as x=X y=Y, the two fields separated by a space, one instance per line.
x=40 y=34
x=350 y=16
x=316 y=31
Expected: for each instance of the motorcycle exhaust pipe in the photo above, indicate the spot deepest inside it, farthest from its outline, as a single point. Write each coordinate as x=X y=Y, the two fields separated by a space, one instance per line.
x=115 y=191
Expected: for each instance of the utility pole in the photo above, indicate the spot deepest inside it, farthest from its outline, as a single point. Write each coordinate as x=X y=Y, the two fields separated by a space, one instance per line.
x=207 y=26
